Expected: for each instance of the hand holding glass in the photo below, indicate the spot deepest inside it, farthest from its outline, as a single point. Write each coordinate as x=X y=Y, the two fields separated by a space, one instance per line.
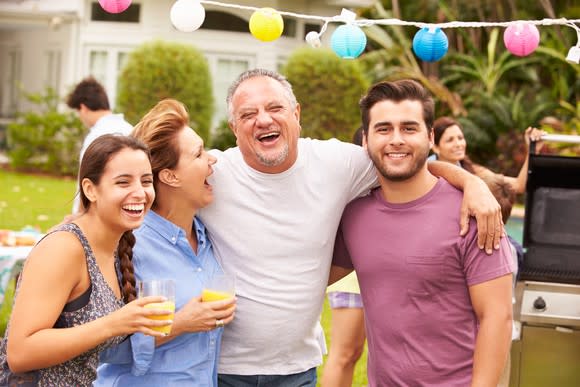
x=161 y=287
x=219 y=287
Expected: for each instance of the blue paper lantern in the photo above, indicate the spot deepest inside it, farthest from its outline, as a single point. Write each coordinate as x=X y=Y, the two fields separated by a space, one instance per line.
x=348 y=41
x=430 y=44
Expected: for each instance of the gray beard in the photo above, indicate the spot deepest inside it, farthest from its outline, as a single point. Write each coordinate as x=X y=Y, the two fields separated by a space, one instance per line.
x=275 y=161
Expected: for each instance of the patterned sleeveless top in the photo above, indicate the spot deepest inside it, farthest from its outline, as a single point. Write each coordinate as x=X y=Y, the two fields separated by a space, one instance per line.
x=81 y=370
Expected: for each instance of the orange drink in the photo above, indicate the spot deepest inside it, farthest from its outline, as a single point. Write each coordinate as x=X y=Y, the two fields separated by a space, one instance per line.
x=169 y=306
x=215 y=295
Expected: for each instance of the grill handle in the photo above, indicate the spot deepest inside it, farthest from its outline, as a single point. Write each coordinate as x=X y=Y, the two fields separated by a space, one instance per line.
x=567 y=138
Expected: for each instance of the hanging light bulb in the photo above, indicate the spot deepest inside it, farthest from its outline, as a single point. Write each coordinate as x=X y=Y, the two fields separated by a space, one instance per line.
x=313 y=38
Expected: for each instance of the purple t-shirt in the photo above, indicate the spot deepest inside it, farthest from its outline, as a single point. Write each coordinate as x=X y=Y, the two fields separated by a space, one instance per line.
x=414 y=271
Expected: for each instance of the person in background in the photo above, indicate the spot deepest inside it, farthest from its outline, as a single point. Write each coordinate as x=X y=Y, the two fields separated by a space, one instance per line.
x=173 y=243
x=90 y=100
x=71 y=295
x=278 y=201
x=347 y=332
x=450 y=146
x=437 y=309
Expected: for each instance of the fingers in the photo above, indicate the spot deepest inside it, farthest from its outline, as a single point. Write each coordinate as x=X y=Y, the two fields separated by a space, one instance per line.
x=482 y=231
x=142 y=301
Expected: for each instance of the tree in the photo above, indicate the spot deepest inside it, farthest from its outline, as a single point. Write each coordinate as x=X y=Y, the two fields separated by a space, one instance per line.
x=159 y=70
x=328 y=89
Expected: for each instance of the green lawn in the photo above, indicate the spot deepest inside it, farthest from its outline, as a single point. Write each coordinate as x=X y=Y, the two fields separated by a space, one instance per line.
x=43 y=202
x=29 y=200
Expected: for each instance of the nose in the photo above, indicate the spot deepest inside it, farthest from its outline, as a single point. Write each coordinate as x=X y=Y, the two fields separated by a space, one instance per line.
x=263 y=118
x=396 y=137
x=211 y=159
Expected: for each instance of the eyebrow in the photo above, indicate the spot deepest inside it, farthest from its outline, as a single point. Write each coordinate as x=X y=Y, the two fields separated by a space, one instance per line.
x=383 y=123
x=127 y=175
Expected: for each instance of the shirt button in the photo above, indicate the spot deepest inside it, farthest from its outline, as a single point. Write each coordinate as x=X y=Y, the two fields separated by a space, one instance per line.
x=199 y=269
x=172 y=239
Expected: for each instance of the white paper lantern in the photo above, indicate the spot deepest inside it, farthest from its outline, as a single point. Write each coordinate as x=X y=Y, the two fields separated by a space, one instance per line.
x=187 y=15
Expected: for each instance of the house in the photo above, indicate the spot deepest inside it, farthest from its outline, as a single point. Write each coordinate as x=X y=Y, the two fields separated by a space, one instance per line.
x=56 y=43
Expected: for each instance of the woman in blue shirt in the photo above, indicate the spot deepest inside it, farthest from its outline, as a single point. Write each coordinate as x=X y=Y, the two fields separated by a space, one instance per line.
x=172 y=243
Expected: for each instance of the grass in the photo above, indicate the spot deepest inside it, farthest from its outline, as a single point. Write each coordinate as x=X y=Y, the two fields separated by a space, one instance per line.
x=41 y=201
x=37 y=201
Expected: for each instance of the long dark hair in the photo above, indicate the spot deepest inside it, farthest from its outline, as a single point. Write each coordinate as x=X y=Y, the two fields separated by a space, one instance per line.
x=439 y=127
x=92 y=167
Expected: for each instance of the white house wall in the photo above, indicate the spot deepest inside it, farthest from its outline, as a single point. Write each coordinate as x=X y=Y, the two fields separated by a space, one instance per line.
x=78 y=36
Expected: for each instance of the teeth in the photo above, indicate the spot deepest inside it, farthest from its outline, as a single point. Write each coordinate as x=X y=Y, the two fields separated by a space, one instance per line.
x=397 y=155
x=262 y=136
x=134 y=207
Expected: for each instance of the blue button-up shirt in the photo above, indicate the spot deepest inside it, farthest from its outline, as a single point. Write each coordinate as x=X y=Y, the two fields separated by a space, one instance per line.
x=162 y=251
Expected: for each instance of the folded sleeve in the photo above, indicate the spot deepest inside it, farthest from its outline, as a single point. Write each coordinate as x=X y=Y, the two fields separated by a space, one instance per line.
x=143 y=348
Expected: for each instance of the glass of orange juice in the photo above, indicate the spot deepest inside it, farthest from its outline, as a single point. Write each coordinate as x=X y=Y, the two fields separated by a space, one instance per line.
x=160 y=287
x=219 y=287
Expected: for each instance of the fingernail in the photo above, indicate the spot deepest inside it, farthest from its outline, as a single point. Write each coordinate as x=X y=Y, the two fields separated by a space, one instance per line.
x=480 y=247
x=496 y=247
x=488 y=251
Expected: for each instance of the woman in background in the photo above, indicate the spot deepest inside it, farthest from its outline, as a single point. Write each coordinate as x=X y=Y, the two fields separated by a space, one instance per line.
x=450 y=146
x=71 y=295
x=172 y=243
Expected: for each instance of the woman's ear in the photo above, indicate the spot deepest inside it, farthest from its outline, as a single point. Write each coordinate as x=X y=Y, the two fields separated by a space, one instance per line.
x=167 y=176
x=89 y=189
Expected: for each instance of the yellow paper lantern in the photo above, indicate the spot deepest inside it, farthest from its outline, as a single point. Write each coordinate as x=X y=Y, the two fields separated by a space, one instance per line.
x=266 y=24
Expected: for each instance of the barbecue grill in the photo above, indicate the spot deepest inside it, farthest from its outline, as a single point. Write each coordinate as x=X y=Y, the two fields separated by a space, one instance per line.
x=547 y=308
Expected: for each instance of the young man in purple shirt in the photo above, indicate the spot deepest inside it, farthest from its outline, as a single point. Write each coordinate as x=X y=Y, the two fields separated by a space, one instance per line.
x=438 y=309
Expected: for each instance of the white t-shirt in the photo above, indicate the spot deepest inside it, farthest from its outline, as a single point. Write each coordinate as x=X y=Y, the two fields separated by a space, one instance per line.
x=109 y=124
x=275 y=233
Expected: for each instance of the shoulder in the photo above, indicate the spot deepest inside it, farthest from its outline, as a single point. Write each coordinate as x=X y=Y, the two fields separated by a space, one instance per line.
x=59 y=253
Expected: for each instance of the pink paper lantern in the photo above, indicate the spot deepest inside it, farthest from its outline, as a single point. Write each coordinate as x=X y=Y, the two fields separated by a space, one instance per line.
x=521 y=38
x=115 y=6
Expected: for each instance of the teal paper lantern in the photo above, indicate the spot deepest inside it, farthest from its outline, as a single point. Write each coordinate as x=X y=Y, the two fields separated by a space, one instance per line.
x=430 y=44
x=348 y=41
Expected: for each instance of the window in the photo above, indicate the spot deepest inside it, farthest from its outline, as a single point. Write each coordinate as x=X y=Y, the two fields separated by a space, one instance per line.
x=130 y=15
x=223 y=21
x=105 y=65
x=13 y=78
x=53 y=63
x=311 y=27
x=225 y=69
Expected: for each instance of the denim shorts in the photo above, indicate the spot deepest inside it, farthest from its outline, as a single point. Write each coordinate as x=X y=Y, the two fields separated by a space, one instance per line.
x=303 y=379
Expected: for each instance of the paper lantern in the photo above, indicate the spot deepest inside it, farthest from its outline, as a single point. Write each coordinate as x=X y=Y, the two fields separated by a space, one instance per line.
x=187 y=15
x=266 y=24
x=430 y=44
x=521 y=38
x=115 y=6
x=348 y=41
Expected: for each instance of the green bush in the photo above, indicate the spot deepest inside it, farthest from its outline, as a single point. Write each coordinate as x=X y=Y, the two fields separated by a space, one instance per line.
x=45 y=139
x=158 y=70
x=222 y=137
x=328 y=89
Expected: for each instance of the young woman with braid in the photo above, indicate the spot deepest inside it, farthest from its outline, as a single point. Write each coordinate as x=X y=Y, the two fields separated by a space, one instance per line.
x=173 y=243
x=72 y=301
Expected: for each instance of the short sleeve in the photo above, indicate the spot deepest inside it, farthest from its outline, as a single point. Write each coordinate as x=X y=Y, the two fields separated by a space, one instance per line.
x=341 y=256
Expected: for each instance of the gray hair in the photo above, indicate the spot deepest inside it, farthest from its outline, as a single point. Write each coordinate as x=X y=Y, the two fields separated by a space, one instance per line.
x=259 y=73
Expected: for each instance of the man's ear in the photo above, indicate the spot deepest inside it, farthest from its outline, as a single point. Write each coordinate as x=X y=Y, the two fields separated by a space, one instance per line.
x=167 y=176
x=233 y=128
x=89 y=189
x=431 y=139
x=364 y=141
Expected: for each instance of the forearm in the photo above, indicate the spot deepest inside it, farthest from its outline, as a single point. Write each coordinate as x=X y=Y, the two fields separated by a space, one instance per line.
x=522 y=179
x=491 y=350
x=457 y=177
x=49 y=347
